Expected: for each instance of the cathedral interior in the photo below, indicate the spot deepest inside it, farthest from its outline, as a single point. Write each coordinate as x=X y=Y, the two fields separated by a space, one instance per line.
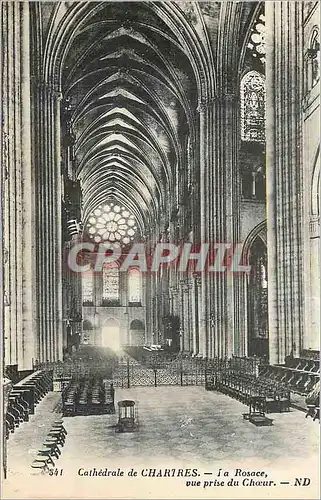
x=138 y=124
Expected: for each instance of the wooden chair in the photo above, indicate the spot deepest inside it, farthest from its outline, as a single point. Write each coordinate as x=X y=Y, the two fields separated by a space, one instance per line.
x=47 y=452
x=59 y=435
x=59 y=427
x=257 y=404
x=42 y=462
x=41 y=466
x=53 y=447
x=284 y=401
x=51 y=441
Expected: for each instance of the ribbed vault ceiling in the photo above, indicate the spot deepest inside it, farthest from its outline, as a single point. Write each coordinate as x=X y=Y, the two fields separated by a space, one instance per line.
x=132 y=91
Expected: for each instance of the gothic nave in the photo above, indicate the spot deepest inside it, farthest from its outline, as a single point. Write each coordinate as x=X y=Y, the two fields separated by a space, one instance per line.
x=160 y=208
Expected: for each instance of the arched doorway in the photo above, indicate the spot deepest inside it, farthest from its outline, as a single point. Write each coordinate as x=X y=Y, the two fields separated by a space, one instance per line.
x=256 y=294
x=137 y=332
x=258 y=338
x=111 y=335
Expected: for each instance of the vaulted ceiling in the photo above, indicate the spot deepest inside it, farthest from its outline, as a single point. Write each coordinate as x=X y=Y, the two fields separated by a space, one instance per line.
x=132 y=90
x=132 y=73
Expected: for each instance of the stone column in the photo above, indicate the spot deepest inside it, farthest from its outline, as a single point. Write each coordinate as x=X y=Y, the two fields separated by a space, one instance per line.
x=2 y=190
x=183 y=316
x=242 y=348
x=157 y=308
x=8 y=157
x=59 y=270
x=284 y=178
x=46 y=157
x=28 y=334
x=204 y=138
x=19 y=211
x=149 y=306
x=190 y=318
x=312 y=337
x=194 y=315
x=223 y=196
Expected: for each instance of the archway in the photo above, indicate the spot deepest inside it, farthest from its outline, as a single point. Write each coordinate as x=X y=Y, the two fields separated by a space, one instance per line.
x=258 y=338
x=255 y=254
x=137 y=332
x=111 y=335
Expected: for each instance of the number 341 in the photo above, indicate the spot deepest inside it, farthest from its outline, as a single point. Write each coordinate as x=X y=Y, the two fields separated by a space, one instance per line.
x=55 y=472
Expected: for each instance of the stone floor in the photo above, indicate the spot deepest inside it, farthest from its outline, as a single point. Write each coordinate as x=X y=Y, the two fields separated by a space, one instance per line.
x=178 y=427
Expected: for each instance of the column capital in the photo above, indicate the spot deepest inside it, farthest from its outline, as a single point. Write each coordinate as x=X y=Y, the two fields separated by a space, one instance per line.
x=231 y=97
x=204 y=103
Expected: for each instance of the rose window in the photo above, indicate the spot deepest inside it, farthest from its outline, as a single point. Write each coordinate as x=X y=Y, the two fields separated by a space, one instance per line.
x=257 y=39
x=113 y=223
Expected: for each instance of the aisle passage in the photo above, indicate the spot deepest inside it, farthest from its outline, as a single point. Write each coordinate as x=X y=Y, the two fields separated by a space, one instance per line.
x=185 y=424
x=178 y=427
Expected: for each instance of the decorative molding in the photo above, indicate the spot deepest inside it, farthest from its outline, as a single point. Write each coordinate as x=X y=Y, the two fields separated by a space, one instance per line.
x=204 y=104
x=5 y=255
x=314 y=227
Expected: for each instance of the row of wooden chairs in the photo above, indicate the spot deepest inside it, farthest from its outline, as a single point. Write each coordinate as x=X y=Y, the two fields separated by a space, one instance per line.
x=70 y=397
x=23 y=398
x=35 y=387
x=85 y=397
x=246 y=388
x=88 y=396
x=17 y=412
x=309 y=365
x=298 y=381
x=50 y=447
x=102 y=399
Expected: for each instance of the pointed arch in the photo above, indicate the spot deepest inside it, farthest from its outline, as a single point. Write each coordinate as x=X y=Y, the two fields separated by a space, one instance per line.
x=258 y=231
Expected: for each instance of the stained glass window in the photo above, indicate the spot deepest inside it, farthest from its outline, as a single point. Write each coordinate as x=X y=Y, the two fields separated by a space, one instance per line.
x=134 y=286
x=110 y=282
x=112 y=223
x=87 y=288
x=253 y=107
